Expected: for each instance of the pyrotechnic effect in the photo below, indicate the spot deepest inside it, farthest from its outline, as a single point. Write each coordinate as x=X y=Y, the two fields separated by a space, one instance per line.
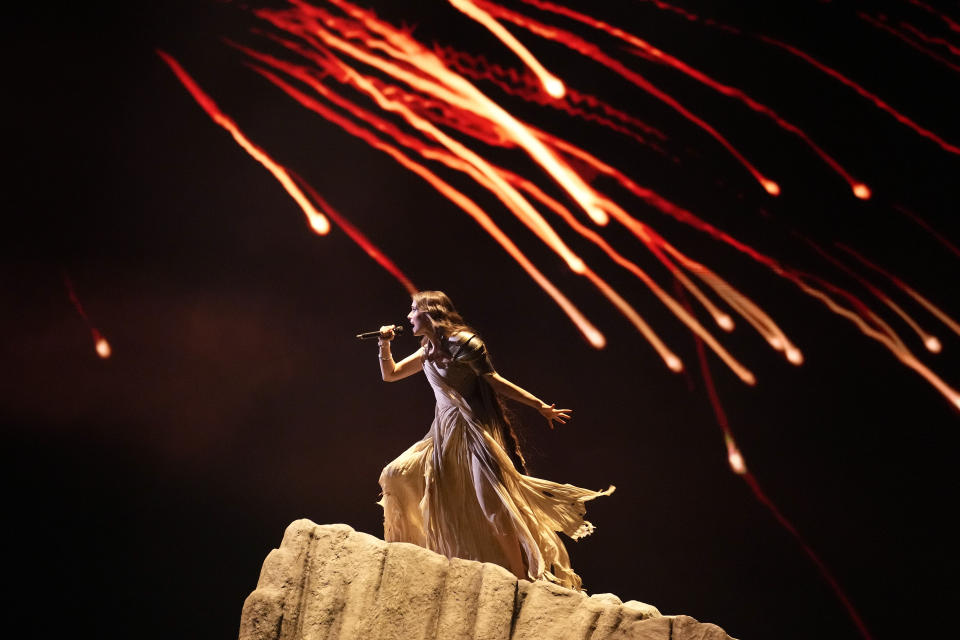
x=318 y=222
x=415 y=84
x=425 y=106
x=739 y=467
x=902 y=119
x=950 y=22
x=881 y=24
x=100 y=343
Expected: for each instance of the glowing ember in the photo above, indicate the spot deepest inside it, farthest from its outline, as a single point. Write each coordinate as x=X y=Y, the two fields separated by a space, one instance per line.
x=736 y=462
x=644 y=47
x=103 y=347
x=318 y=222
x=100 y=343
x=882 y=25
x=551 y=84
x=946 y=146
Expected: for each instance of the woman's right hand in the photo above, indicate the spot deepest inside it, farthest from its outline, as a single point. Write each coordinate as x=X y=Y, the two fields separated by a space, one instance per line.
x=386 y=332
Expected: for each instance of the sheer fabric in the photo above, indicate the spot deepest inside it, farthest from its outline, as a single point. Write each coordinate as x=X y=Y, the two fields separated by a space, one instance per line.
x=457 y=492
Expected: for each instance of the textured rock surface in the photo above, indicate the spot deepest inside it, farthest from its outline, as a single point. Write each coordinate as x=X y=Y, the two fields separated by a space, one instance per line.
x=331 y=582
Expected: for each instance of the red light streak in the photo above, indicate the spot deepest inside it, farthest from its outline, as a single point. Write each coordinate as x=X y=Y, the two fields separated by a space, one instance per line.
x=514 y=83
x=358 y=237
x=318 y=222
x=937 y=235
x=447 y=85
x=931 y=39
x=926 y=7
x=929 y=306
x=859 y=189
x=833 y=73
x=551 y=84
x=929 y=341
x=100 y=344
x=593 y=52
x=879 y=24
x=739 y=467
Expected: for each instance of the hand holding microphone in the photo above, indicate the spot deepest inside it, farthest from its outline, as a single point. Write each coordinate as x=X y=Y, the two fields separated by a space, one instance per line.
x=387 y=332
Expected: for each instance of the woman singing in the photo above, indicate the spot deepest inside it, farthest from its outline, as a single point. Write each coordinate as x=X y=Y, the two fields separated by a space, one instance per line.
x=463 y=490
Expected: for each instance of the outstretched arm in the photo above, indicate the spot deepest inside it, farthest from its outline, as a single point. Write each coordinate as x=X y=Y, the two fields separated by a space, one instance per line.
x=509 y=390
x=393 y=371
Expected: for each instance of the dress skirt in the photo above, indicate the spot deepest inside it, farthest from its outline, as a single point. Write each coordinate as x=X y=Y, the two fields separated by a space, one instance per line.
x=457 y=492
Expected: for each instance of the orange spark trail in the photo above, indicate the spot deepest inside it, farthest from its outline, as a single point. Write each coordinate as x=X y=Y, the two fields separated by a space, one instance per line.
x=100 y=343
x=929 y=341
x=593 y=52
x=358 y=237
x=591 y=333
x=739 y=467
x=938 y=236
x=318 y=222
x=902 y=119
x=929 y=306
x=950 y=23
x=886 y=336
x=931 y=39
x=551 y=84
x=859 y=189
x=879 y=24
x=456 y=89
x=510 y=81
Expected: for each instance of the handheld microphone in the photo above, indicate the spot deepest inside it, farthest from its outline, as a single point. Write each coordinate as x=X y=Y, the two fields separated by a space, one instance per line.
x=373 y=335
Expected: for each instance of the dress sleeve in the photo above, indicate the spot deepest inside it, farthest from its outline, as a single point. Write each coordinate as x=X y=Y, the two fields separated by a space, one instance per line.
x=472 y=352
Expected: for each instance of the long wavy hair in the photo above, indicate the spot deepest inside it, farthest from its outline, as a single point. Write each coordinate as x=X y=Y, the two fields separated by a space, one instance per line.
x=446 y=322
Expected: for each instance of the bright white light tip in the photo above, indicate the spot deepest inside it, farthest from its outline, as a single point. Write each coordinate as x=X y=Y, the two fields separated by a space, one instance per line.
x=598 y=215
x=932 y=344
x=794 y=356
x=596 y=339
x=674 y=364
x=725 y=322
x=736 y=462
x=747 y=378
x=772 y=187
x=320 y=224
x=862 y=191
x=776 y=343
x=554 y=88
x=956 y=401
x=103 y=348
x=576 y=265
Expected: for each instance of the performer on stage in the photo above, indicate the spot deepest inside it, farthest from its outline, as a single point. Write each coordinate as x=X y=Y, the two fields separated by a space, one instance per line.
x=463 y=490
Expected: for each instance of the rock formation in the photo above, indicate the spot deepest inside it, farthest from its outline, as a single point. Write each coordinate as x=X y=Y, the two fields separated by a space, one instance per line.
x=332 y=583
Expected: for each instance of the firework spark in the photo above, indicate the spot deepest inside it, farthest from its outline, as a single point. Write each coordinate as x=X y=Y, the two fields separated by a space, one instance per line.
x=318 y=221
x=551 y=83
x=859 y=189
x=833 y=73
x=881 y=24
x=100 y=344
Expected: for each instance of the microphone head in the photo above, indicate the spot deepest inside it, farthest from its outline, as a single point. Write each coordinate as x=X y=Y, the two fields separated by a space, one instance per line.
x=398 y=329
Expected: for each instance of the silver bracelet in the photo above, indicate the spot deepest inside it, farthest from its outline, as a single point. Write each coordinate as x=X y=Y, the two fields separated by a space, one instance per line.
x=389 y=356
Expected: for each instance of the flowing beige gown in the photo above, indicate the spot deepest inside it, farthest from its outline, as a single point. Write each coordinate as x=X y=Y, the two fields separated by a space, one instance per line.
x=457 y=492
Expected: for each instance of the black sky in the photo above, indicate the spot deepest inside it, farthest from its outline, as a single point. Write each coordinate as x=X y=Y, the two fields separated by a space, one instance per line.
x=148 y=488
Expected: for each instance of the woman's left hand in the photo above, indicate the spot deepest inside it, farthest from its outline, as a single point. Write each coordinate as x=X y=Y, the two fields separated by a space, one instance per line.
x=551 y=413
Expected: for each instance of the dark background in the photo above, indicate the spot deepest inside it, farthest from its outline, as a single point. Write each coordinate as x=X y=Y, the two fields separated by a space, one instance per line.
x=146 y=489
